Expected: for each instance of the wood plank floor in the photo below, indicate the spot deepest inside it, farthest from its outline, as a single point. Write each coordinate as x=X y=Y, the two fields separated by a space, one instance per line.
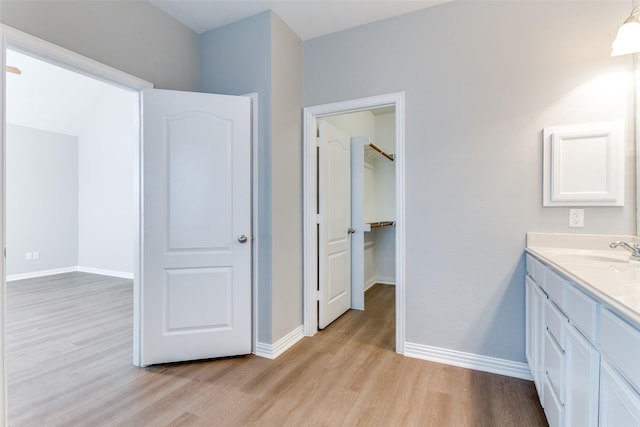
x=69 y=360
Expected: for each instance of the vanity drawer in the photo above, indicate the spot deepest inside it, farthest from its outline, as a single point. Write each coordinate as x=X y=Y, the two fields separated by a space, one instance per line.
x=553 y=408
x=554 y=365
x=534 y=269
x=583 y=312
x=556 y=323
x=621 y=344
x=555 y=286
x=528 y=259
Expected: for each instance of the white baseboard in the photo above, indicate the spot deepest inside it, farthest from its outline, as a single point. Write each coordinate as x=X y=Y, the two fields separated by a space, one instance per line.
x=379 y=280
x=43 y=273
x=103 y=272
x=468 y=360
x=271 y=351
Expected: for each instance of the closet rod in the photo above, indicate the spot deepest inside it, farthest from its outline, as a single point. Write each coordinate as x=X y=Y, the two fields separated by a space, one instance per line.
x=379 y=150
x=382 y=224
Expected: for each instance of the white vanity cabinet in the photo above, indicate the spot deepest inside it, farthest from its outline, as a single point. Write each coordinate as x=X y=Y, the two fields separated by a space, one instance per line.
x=584 y=358
x=620 y=373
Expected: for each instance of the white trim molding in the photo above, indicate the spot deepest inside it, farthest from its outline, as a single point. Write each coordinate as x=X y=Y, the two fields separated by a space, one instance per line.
x=33 y=46
x=103 y=272
x=379 y=281
x=77 y=268
x=310 y=246
x=41 y=273
x=468 y=360
x=272 y=351
x=255 y=135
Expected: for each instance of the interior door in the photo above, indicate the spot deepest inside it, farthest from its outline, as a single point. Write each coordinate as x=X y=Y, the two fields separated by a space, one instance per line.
x=196 y=244
x=334 y=182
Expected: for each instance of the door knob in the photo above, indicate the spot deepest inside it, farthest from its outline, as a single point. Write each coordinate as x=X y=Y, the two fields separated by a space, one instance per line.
x=351 y=230
x=242 y=238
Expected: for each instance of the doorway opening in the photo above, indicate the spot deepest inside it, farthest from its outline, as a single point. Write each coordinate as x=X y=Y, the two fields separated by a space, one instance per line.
x=70 y=143
x=69 y=171
x=383 y=213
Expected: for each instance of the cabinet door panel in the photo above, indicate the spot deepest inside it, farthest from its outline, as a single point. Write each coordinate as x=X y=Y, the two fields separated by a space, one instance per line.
x=621 y=344
x=530 y=321
x=582 y=380
x=619 y=403
x=538 y=342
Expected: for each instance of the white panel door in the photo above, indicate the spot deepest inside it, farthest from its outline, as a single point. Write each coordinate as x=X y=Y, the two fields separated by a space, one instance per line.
x=196 y=245
x=334 y=191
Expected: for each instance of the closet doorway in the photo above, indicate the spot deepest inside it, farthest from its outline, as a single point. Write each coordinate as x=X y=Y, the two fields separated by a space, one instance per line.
x=354 y=204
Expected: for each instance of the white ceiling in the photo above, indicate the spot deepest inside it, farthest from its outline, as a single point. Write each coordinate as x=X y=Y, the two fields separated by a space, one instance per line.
x=307 y=18
x=51 y=98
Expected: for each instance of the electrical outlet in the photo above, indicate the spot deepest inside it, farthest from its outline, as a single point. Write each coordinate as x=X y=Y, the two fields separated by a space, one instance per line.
x=28 y=256
x=36 y=254
x=576 y=218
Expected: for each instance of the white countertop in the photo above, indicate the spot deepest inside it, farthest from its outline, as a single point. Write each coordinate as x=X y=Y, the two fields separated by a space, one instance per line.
x=608 y=274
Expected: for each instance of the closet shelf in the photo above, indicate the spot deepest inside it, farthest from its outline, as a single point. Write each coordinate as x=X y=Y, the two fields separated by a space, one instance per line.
x=382 y=152
x=381 y=224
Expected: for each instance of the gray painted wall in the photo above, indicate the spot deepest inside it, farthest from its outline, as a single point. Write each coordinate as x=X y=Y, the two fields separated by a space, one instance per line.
x=42 y=199
x=106 y=221
x=132 y=36
x=481 y=79
x=286 y=176
x=261 y=54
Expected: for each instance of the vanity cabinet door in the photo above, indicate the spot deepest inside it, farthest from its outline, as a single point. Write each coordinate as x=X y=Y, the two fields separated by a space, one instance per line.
x=619 y=403
x=582 y=365
x=535 y=327
x=530 y=320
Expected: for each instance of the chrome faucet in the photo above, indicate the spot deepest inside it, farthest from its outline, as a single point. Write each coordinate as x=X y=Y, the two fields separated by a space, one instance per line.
x=634 y=248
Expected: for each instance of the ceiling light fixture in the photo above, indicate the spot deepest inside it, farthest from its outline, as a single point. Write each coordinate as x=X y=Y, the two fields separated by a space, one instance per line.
x=13 y=70
x=628 y=38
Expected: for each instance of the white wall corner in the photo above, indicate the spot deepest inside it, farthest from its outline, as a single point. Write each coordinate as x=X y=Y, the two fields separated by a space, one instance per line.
x=272 y=351
x=468 y=360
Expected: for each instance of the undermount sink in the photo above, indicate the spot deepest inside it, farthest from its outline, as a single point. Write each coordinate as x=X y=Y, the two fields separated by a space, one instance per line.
x=583 y=255
x=570 y=257
x=629 y=293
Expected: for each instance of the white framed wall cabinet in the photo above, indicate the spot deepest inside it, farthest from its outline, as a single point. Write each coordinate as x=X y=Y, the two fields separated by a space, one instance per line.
x=584 y=165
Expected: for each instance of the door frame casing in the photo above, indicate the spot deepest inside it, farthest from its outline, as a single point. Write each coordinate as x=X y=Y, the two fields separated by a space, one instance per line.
x=310 y=204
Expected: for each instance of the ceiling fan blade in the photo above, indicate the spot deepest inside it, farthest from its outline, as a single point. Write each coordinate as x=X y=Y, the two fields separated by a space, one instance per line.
x=13 y=70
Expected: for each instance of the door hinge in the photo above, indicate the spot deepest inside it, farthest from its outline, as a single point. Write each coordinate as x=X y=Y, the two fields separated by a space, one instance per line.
x=318 y=142
x=318 y=218
x=318 y=132
x=318 y=295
